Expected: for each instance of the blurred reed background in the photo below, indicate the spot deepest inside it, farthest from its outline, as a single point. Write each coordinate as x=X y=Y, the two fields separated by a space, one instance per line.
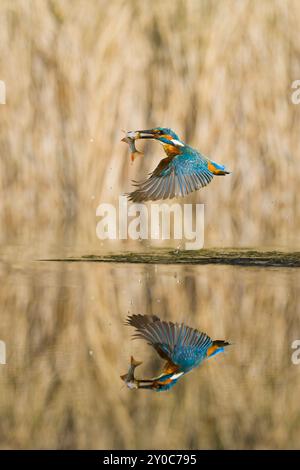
x=218 y=72
x=77 y=72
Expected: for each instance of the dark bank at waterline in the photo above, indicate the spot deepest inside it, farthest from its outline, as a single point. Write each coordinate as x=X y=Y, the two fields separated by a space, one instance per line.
x=234 y=257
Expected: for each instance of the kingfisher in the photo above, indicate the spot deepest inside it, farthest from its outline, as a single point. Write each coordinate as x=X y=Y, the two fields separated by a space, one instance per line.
x=183 y=171
x=182 y=347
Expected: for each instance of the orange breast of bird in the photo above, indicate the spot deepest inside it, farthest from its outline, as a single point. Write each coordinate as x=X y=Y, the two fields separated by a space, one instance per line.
x=170 y=368
x=171 y=150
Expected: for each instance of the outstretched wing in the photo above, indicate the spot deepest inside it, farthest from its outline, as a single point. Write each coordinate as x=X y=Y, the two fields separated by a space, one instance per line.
x=177 y=343
x=174 y=176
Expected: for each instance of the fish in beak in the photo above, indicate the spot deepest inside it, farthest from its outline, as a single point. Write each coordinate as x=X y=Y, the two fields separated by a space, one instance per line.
x=129 y=378
x=130 y=138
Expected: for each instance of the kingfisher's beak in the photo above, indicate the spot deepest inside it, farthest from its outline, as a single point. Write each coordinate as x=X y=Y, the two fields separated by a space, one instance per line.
x=147 y=134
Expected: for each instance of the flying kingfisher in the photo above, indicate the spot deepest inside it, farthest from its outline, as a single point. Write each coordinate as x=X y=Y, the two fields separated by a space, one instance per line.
x=183 y=348
x=183 y=171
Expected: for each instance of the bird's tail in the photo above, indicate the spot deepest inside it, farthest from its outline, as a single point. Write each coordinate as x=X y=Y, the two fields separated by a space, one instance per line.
x=217 y=168
x=217 y=347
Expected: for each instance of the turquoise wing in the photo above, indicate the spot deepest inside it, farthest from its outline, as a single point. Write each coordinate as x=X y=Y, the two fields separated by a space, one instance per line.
x=173 y=177
x=177 y=343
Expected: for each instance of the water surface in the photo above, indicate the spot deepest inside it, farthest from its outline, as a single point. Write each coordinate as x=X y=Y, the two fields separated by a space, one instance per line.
x=63 y=324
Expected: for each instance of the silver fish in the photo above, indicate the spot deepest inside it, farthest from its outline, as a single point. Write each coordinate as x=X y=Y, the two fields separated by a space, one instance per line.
x=130 y=139
x=129 y=378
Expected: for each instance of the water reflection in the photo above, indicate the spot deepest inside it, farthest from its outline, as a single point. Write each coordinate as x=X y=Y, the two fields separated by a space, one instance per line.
x=63 y=325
